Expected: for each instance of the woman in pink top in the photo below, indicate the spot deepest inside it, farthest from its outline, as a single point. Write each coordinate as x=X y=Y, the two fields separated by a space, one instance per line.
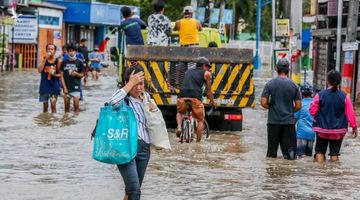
x=332 y=110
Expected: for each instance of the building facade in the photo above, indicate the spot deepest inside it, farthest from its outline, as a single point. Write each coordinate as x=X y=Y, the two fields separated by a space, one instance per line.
x=92 y=20
x=324 y=43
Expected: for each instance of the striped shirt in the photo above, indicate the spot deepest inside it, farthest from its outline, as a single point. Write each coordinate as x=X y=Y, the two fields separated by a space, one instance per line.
x=137 y=106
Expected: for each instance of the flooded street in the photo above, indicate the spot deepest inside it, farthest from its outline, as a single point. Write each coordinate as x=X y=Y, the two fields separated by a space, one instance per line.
x=48 y=156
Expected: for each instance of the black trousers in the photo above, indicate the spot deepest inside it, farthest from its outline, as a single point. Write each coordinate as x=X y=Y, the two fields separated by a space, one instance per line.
x=285 y=135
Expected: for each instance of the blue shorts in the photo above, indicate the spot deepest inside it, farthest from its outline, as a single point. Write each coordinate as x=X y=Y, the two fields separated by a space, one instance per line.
x=304 y=147
x=95 y=69
x=73 y=94
x=45 y=97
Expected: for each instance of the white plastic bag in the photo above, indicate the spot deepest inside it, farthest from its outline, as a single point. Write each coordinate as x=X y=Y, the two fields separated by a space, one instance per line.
x=155 y=123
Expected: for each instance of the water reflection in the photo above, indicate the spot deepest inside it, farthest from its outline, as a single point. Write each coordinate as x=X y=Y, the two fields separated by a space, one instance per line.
x=48 y=156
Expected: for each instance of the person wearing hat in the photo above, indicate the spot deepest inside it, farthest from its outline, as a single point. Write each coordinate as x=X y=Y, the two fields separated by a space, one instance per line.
x=282 y=97
x=191 y=89
x=95 y=57
x=304 y=133
x=188 y=28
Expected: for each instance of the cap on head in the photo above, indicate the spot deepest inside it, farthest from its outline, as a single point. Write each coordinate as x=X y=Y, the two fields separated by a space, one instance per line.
x=203 y=61
x=283 y=63
x=188 y=10
x=306 y=88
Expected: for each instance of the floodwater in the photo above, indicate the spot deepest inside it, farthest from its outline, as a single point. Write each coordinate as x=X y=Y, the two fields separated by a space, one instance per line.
x=48 y=156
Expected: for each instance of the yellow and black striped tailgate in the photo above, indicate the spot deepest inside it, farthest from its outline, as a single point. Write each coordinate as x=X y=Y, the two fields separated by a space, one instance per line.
x=232 y=84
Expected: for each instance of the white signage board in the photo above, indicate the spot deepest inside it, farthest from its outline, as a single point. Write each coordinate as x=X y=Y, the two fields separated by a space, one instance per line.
x=25 y=30
x=350 y=46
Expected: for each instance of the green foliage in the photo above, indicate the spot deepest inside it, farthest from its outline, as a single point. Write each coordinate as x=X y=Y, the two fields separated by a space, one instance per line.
x=246 y=10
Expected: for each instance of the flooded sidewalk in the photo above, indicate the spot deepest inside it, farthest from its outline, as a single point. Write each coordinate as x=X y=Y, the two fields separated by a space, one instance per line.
x=48 y=156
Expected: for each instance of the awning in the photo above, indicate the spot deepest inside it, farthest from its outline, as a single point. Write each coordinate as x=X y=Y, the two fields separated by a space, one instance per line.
x=91 y=13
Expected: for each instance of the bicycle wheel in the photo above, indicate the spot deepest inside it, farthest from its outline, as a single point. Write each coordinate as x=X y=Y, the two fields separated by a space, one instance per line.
x=206 y=129
x=188 y=132
x=183 y=130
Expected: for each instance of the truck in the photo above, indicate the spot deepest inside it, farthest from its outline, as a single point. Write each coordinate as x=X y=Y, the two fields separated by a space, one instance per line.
x=232 y=79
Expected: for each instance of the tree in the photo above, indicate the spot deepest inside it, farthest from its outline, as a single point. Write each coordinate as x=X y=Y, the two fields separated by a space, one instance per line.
x=173 y=8
x=246 y=10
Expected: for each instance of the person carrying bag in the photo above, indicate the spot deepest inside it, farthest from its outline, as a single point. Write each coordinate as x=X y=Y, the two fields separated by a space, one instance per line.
x=115 y=138
x=133 y=172
x=155 y=123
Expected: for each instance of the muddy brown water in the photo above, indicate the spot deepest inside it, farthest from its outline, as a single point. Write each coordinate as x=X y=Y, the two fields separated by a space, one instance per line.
x=48 y=156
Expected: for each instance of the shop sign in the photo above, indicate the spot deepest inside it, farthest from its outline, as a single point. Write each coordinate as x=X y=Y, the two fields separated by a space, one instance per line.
x=350 y=46
x=25 y=30
x=282 y=27
x=313 y=7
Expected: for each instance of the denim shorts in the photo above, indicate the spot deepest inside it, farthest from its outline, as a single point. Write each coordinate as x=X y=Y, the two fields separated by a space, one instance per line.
x=304 y=147
x=73 y=94
x=45 y=97
x=97 y=69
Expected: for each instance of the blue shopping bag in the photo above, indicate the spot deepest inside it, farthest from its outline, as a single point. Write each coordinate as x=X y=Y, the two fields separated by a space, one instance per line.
x=116 y=138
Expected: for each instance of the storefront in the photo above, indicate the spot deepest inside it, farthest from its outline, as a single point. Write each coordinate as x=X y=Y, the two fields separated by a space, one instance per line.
x=51 y=29
x=324 y=55
x=91 y=20
x=40 y=24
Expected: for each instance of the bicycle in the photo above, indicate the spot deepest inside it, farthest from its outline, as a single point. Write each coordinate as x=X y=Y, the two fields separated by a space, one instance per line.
x=188 y=125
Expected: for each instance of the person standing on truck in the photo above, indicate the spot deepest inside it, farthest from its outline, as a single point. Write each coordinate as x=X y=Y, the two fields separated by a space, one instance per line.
x=159 y=26
x=191 y=89
x=188 y=28
x=282 y=97
x=132 y=27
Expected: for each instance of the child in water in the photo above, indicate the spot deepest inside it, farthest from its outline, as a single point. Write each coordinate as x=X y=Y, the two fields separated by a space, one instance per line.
x=304 y=133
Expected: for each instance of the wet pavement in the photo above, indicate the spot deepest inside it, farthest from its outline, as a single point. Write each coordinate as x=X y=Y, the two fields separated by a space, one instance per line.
x=48 y=156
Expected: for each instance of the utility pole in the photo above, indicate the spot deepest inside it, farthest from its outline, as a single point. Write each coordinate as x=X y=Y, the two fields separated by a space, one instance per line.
x=349 y=62
x=284 y=9
x=273 y=10
x=233 y=29
x=208 y=11
x=257 y=57
x=296 y=25
x=194 y=5
x=338 y=34
x=221 y=12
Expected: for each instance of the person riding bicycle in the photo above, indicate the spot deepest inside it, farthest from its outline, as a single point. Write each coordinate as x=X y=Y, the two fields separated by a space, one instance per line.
x=191 y=90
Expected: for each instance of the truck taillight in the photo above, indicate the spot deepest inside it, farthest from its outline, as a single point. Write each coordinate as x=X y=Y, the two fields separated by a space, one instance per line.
x=233 y=117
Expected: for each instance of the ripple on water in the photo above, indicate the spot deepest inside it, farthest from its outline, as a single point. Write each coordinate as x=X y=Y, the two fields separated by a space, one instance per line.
x=48 y=156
